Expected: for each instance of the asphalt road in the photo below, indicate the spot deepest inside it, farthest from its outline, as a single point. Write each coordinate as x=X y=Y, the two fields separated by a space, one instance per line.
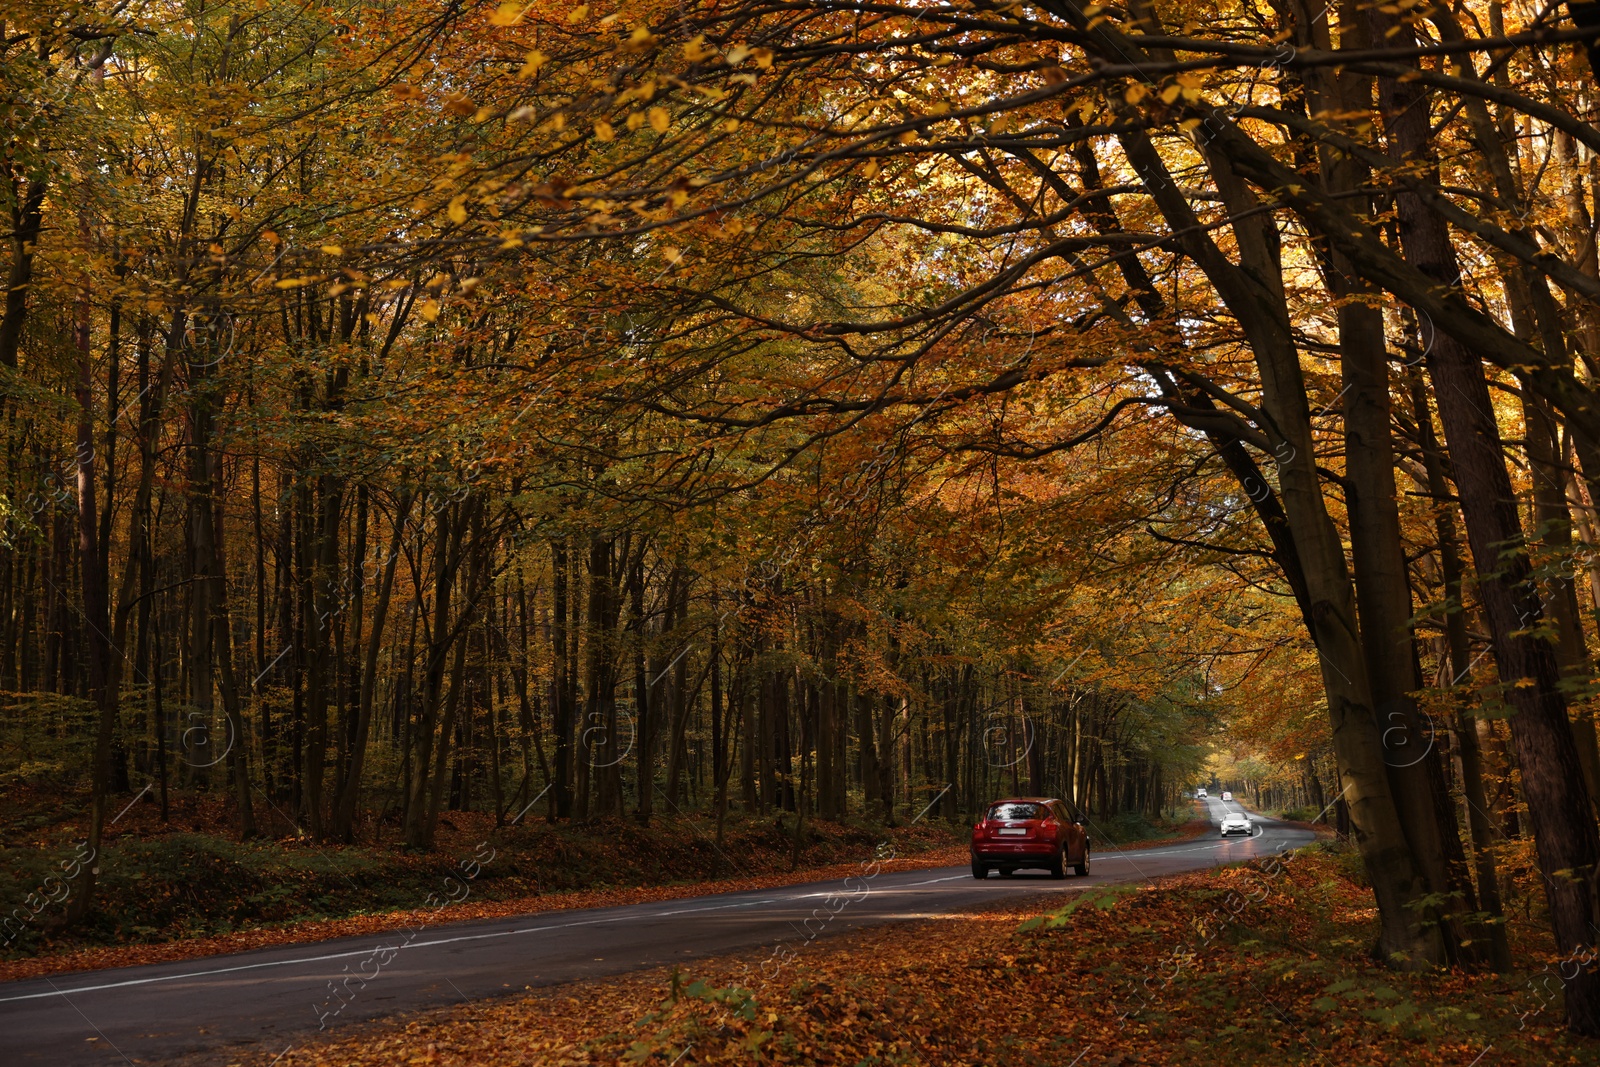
x=263 y=1002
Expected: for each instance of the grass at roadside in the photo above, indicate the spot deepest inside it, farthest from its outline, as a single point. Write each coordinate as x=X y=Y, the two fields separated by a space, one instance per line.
x=1266 y=964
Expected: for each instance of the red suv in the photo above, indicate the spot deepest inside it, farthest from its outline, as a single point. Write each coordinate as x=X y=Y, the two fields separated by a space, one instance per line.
x=1029 y=832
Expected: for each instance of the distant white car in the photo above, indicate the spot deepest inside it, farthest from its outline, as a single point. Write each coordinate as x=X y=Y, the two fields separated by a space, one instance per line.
x=1200 y=794
x=1236 y=822
x=1227 y=796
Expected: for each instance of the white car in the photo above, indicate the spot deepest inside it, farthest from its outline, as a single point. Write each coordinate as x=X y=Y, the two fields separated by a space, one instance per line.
x=1227 y=796
x=1200 y=794
x=1237 y=822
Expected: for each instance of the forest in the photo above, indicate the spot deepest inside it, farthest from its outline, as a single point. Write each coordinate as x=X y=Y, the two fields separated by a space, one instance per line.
x=855 y=409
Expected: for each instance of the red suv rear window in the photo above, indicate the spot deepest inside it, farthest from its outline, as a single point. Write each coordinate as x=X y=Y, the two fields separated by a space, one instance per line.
x=1005 y=812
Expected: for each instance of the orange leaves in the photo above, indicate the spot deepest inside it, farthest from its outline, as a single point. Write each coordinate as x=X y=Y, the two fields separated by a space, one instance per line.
x=532 y=63
x=1116 y=985
x=508 y=14
x=696 y=51
x=640 y=40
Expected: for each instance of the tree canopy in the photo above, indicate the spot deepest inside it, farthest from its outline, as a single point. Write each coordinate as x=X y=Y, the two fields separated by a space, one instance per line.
x=845 y=407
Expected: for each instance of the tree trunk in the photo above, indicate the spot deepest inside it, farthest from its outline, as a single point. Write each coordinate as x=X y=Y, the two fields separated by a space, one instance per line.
x=350 y=788
x=1552 y=777
x=560 y=700
x=97 y=618
x=1256 y=299
x=1466 y=731
x=647 y=690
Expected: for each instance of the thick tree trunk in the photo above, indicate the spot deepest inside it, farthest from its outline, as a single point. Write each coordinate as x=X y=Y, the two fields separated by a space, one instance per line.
x=1305 y=544
x=1383 y=594
x=1553 y=520
x=1256 y=300
x=1377 y=554
x=1552 y=778
x=1479 y=822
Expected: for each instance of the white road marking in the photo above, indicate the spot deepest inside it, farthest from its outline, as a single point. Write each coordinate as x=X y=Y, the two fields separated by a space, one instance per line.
x=880 y=889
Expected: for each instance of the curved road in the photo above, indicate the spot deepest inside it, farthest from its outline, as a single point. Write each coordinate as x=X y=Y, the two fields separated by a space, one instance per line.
x=262 y=1002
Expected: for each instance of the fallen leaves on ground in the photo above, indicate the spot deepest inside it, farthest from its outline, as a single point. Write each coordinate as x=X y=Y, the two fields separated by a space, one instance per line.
x=1261 y=964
